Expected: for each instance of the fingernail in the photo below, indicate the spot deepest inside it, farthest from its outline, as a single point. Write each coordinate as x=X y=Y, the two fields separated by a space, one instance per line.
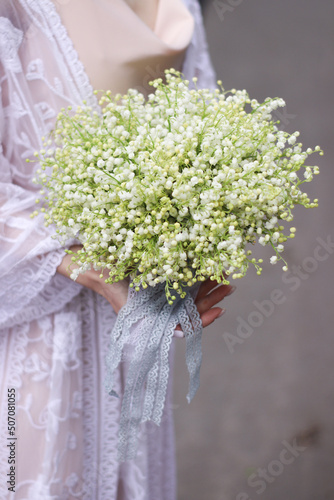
x=178 y=334
x=221 y=313
x=233 y=289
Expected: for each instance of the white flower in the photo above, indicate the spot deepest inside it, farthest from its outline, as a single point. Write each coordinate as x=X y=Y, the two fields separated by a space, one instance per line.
x=75 y=274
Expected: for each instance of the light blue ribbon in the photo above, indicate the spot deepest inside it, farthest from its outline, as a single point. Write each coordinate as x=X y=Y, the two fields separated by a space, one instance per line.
x=142 y=335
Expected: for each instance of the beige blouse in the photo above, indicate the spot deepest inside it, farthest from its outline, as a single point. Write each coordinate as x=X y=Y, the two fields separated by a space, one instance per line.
x=128 y=43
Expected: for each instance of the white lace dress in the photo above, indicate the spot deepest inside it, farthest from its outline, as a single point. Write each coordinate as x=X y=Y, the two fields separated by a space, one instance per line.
x=54 y=333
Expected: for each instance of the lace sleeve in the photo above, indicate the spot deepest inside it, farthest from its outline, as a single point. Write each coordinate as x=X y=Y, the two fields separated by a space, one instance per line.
x=29 y=255
x=197 y=62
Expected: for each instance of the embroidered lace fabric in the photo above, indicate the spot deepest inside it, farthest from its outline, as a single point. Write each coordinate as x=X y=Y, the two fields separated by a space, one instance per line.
x=54 y=335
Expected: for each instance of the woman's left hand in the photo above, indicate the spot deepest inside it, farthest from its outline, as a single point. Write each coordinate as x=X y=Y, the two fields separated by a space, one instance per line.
x=207 y=297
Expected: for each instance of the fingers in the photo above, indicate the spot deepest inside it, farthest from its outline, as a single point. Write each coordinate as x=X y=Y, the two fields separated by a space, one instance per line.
x=211 y=315
x=206 y=287
x=213 y=298
x=208 y=296
x=178 y=333
x=207 y=318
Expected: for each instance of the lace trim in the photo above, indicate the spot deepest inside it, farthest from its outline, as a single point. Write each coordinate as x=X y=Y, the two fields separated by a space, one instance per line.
x=11 y=378
x=90 y=397
x=35 y=296
x=73 y=67
x=110 y=407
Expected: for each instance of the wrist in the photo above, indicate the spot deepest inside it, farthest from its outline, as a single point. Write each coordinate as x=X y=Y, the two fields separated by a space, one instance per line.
x=115 y=293
x=89 y=279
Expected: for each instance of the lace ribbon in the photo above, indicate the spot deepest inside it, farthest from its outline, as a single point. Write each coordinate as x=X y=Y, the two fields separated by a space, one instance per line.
x=142 y=335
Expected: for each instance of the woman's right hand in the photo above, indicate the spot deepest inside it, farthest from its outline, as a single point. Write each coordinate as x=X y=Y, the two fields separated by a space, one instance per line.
x=116 y=293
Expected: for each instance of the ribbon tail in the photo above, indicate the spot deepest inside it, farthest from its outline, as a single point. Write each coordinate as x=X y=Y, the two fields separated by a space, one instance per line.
x=142 y=337
x=192 y=327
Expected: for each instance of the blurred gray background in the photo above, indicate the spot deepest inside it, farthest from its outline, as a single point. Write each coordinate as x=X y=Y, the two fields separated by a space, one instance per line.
x=261 y=426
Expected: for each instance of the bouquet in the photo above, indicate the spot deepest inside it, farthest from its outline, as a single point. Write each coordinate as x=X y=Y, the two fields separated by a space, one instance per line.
x=170 y=191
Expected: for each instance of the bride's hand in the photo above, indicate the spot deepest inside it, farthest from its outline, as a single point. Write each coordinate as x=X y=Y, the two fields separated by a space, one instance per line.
x=116 y=294
x=207 y=297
